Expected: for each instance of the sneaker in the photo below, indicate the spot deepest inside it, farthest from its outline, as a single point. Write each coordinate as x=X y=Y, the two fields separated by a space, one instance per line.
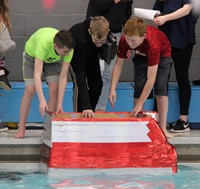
x=34 y=126
x=196 y=82
x=3 y=127
x=4 y=83
x=180 y=126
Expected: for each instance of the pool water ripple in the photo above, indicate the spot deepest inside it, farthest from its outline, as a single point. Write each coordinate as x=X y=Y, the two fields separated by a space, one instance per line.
x=188 y=177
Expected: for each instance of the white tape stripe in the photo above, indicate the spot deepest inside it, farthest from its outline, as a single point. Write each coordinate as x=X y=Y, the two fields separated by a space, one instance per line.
x=104 y=132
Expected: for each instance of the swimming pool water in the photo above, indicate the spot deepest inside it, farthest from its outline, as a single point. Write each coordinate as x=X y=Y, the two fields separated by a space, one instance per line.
x=24 y=177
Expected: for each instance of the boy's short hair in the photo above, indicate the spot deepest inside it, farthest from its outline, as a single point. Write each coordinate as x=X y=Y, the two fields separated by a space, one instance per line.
x=99 y=26
x=135 y=26
x=64 y=38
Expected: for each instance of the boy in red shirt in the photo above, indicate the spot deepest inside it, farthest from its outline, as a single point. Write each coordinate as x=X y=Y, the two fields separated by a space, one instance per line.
x=152 y=63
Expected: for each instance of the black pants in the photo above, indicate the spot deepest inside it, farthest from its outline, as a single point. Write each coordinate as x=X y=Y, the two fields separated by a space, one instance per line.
x=181 y=58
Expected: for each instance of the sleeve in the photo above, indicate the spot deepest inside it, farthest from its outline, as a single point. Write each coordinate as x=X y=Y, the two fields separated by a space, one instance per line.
x=69 y=57
x=128 y=10
x=186 y=2
x=79 y=68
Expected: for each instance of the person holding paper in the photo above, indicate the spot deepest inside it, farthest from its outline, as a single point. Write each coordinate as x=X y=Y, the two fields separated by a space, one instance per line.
x=178 y=23
x=152 y=64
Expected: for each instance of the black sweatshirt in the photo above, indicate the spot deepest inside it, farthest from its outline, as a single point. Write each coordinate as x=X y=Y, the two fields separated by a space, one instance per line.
x=84 y=49
x=116 y=14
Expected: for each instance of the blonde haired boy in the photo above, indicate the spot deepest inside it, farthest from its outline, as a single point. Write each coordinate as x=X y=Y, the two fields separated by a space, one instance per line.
x=89 y=36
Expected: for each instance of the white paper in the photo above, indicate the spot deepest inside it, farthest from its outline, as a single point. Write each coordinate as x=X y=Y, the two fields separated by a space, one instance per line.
x=148 y=14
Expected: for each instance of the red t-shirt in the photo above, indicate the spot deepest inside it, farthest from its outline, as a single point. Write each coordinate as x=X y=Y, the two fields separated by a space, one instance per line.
x=154 y=46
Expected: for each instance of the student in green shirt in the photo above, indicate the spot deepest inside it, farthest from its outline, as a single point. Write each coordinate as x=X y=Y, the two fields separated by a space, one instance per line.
x=48 y=52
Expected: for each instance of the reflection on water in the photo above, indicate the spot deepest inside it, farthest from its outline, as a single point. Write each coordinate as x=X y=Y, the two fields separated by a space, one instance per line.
x=187 y=177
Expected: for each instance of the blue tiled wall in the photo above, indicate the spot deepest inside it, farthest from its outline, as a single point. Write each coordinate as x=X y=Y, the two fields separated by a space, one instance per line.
x=10 y=102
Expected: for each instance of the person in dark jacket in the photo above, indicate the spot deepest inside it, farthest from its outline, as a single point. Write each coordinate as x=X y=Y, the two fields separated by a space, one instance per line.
x=89 y=36
x=117 y=12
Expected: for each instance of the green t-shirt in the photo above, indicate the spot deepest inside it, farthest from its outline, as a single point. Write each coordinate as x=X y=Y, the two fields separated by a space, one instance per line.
x=41 y=45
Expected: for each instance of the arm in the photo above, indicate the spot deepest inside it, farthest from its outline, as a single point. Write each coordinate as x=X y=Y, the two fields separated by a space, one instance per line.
x=151 y=77
x=79 y=66
x=62 y=85
x=117 y=69
x=83 y=91
x=183 y=11
x=38 y=67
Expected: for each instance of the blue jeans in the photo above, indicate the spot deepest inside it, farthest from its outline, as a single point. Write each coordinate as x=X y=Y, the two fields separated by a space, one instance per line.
x=106 y=78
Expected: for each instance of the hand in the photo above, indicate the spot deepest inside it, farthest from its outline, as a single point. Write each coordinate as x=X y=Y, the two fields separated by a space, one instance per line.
x=59 y=109
x=88 y=113
x=112 y=98
x=136 y=110
x=159 y=20
x=43 y=108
